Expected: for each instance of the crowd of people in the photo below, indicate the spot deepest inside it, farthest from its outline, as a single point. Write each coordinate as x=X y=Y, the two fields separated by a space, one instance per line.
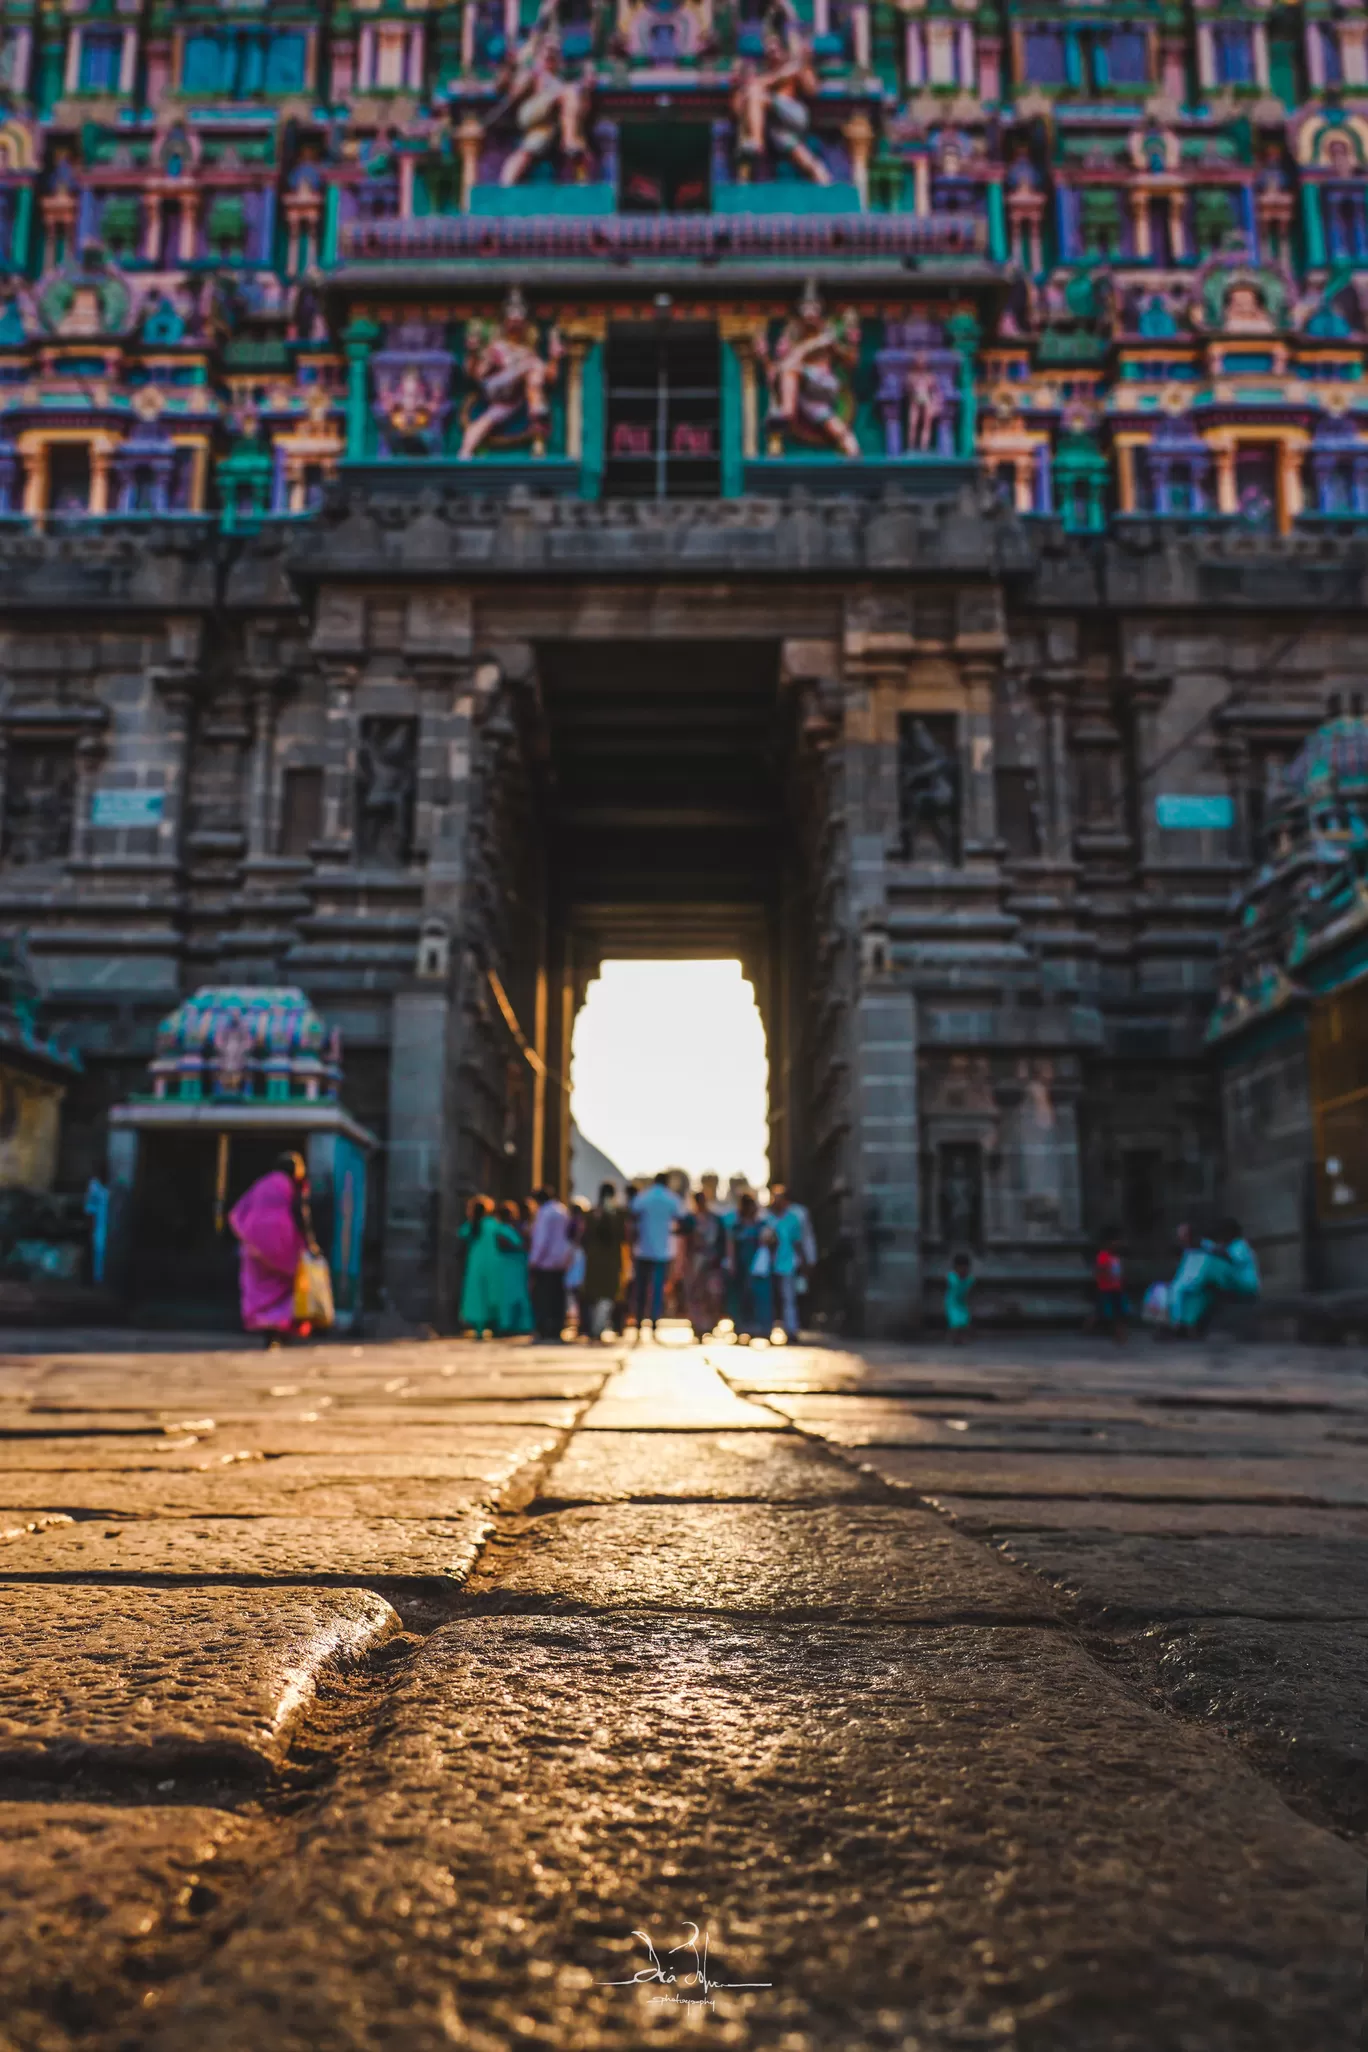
x=657 y=1249
x=662 y=1249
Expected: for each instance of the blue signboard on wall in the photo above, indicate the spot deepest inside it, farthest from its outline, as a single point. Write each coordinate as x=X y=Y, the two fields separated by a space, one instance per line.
x=1195 y=809
x=127 y=808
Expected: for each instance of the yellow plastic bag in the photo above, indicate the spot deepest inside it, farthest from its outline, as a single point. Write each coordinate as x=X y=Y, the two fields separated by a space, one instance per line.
x=313 y=1297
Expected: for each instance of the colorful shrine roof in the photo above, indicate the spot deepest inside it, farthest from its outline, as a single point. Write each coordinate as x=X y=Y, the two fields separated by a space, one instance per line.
x=1115 y=259
x=231 y=1041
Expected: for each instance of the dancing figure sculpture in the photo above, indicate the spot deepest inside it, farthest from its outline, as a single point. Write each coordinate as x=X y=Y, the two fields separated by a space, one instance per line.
x=928 y=792
x=549 y=108
x=510 y=376
x=770 y=103
x=809 y=377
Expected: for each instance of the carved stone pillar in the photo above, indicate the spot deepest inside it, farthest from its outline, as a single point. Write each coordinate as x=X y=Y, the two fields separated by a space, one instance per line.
x=1146 y=703
x=979 y=675
x=339 y=763
x=173 y=685
x=261 y=769
x=90 y=753
x=1059 y=813
x=1232 y=753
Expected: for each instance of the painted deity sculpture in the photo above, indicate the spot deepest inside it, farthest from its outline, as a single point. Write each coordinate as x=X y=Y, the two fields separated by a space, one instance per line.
x=511 y=378
x=925 y=403
x=664 y=31
x=770 y=104
x=549 y=108
x=811 y=396
x=413 y=389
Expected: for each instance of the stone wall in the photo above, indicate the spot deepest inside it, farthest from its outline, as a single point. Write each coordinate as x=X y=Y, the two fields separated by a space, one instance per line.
x=324 y=763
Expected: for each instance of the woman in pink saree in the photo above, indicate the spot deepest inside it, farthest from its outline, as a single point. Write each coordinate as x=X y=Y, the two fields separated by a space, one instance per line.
x=271 y=1221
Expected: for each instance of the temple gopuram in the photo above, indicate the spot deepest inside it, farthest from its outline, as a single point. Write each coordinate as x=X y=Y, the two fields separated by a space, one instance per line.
x=876 y=490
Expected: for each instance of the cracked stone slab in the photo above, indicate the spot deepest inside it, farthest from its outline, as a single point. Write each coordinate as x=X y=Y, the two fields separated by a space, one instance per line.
x=988 y=1514
x=615 y=1467
x=455 y=1385
x=850 y=1560
x=934 y=1473
x=947 y=1839
x=253 y=1485
x=1296 y=1695
x=256 y=1489
x=145 y=1677
x=316 y=1433
x=96 y=1898
x=113 y=1450
x=1010 y=1429
x=1114 y=1576
x=370 y=1416
x=279 y=1549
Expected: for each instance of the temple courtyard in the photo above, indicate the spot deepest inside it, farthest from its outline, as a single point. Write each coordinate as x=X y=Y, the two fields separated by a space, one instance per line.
x=437 y=1695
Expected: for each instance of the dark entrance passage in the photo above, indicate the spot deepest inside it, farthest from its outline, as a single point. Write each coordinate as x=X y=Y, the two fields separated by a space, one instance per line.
x=666 y=822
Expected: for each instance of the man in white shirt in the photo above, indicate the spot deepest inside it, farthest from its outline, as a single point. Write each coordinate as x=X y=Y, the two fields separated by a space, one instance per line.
x=654 y=1213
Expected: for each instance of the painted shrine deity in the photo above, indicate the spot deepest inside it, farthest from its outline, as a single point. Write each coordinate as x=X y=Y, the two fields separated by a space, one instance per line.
x=664 y=31
x=550 y=110
x=413 y=389
x=770 y=100
x=510 y=406
x=810 y=368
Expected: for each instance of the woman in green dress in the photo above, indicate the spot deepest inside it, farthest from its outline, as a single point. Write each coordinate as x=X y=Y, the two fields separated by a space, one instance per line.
x=515 y=1304
x=482 y=1285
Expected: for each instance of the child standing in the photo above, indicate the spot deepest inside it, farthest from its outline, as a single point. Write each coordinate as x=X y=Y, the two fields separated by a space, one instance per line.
x=959 y=1282
x=1109 y=1290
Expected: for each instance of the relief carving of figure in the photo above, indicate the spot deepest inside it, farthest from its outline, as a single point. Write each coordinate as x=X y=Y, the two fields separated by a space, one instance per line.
x=810 y=377
x=549 y=108
x=511 y=378
x=769 y=101
x=928 y=791
x=386 y=772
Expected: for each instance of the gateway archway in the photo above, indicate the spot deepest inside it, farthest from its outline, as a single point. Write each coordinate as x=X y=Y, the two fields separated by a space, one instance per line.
x=670 y=1070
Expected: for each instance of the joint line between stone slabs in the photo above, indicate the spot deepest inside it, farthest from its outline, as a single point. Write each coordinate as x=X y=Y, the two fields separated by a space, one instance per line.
x=496 y=1606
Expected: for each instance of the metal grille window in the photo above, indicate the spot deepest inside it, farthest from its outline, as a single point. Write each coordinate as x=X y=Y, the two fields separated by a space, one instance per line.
x=664 y=413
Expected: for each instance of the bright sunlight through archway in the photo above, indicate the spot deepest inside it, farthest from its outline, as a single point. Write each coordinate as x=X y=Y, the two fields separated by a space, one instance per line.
x=669 y=1069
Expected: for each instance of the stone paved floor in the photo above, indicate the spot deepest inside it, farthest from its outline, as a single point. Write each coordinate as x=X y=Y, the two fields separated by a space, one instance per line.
x=1013 y=1696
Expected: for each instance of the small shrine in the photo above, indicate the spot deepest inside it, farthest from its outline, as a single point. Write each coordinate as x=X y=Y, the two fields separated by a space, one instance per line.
x=35 y=1070
x=240 y=1075
x=44 y=1237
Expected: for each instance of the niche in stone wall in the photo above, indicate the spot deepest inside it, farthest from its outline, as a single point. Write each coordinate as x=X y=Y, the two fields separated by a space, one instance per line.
x=959 y=1190
x=928 y=787
x=40 y=792
x=301 y=811
x=386 y=786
